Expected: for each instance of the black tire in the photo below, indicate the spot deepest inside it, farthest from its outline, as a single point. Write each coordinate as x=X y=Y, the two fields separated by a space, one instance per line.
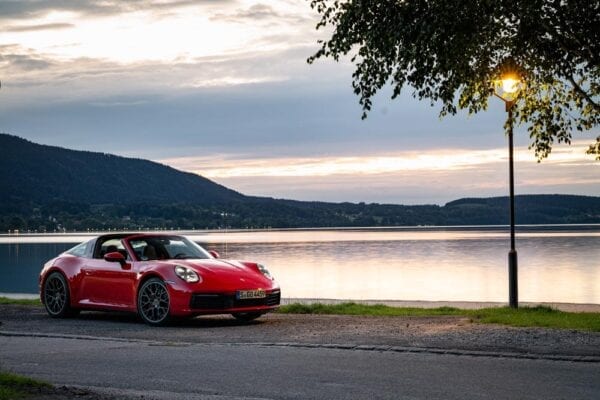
x=153 y=302
x=247 y=316
x=57 y=299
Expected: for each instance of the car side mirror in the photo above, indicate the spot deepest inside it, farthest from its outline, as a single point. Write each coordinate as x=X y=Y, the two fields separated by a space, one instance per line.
x=115 y=256
x=214 y=254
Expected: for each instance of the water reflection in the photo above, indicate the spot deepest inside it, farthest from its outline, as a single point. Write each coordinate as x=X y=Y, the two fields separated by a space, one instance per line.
x=552 y=268
x=20 y=264
x=463 y=265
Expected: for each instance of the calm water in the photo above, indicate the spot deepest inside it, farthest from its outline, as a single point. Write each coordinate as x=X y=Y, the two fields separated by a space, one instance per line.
x=556 y=264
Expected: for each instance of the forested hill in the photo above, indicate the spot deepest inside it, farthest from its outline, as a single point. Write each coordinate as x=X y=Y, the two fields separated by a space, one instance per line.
x=46 y=188
x=43 y=174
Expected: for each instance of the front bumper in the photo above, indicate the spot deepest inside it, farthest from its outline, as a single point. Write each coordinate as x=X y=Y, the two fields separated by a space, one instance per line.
x=197 y=303
x=214 y=301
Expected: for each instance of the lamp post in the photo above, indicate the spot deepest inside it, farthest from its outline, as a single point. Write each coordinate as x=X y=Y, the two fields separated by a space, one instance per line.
x=507 y=89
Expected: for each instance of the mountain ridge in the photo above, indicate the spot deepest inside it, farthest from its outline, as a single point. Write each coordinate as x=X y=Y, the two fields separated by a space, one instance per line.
x=94 y=177
x=47 y=188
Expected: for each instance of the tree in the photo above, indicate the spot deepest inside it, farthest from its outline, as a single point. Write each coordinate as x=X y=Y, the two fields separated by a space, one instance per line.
x=449 y=51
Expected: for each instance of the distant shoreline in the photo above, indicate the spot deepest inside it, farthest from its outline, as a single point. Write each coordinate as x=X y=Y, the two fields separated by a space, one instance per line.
x=319 y=228
x=337 y=234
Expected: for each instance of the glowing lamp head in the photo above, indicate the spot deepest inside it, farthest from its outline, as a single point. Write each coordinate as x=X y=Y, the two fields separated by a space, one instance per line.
x=508 y=86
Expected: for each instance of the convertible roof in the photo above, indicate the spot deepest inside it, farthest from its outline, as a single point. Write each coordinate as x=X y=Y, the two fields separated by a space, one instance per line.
x=132 y=234
x=116 y=235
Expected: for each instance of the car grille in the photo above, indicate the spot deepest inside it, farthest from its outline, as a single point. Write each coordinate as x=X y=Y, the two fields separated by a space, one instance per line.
x=221 y=301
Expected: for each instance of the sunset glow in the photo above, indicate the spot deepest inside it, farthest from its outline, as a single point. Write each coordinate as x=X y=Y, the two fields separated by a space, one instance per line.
x=444 y=160
x=404 y=177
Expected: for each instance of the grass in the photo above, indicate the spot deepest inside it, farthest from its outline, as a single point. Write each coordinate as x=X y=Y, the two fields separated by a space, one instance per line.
x=539 y=316
x=22 y=302
x=366 y=309
x=18 y=387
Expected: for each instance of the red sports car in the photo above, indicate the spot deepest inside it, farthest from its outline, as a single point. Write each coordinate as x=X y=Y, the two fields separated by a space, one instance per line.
x=159 y=276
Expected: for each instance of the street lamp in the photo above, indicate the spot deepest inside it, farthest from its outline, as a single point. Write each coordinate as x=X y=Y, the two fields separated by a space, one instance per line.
x=507 y=89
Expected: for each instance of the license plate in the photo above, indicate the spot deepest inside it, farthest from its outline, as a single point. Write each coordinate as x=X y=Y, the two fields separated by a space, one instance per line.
x=251 y=294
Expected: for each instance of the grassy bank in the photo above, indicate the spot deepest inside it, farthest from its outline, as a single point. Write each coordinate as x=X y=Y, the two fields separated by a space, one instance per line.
x=22 y=302
x=19 y=387
x=538 y=316
x=523 y=317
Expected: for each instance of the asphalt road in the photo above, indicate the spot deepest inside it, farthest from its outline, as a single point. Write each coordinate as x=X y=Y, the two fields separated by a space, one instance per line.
x=301 y=357
x=226 y=371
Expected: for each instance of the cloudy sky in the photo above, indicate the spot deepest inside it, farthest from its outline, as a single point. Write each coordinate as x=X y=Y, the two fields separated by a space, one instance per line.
x=222 y=88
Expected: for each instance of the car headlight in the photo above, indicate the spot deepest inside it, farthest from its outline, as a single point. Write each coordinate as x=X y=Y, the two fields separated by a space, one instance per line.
x=265 y=271
x=187 y=274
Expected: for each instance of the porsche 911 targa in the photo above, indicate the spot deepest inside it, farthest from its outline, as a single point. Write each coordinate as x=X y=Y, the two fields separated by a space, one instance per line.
x=158 y=276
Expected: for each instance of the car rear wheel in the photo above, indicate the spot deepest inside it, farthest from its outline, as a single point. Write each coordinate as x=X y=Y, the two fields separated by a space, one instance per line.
x=153 y=302
x=246 y=317
x=56 y=296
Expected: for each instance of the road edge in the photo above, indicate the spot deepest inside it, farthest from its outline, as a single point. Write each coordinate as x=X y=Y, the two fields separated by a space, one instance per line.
x=332 y=346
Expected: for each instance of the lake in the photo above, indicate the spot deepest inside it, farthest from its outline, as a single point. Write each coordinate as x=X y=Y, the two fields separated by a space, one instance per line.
x=556 y=263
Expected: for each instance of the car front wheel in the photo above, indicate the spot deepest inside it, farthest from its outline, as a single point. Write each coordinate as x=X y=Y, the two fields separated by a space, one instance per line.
x=153 y=302
x=56 y=296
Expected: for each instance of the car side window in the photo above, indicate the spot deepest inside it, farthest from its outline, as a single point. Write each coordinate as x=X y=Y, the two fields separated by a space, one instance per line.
x=138 y=248
x=79 y=250
x=143 y=250
x=110 y=246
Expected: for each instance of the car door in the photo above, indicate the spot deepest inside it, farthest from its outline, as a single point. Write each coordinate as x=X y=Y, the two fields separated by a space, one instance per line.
x=108 y=284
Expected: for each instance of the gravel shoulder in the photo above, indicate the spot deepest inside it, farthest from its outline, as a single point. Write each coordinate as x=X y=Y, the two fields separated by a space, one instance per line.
x=440 y=332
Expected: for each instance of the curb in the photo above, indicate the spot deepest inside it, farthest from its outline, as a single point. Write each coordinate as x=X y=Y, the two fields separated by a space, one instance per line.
x=433 y=350
x=352 y=347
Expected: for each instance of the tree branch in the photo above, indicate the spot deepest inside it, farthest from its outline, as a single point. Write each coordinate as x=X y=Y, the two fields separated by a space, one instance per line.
x=582 y=92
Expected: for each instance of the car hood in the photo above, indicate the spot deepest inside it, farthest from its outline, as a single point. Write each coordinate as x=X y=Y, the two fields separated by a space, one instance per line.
x=228 y=273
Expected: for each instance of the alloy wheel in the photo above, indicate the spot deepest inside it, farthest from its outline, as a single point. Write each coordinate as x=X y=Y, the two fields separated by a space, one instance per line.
x=153 y=302
x=55 y=294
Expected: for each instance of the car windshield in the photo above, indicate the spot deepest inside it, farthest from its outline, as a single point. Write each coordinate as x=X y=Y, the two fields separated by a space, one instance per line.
x=166 y=248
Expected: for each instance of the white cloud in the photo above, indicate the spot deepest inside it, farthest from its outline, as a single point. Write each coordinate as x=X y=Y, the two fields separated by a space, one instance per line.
x=231 y=81
x=146 y=33
x=73 y=51
x=37 y=27
x=30 y=77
